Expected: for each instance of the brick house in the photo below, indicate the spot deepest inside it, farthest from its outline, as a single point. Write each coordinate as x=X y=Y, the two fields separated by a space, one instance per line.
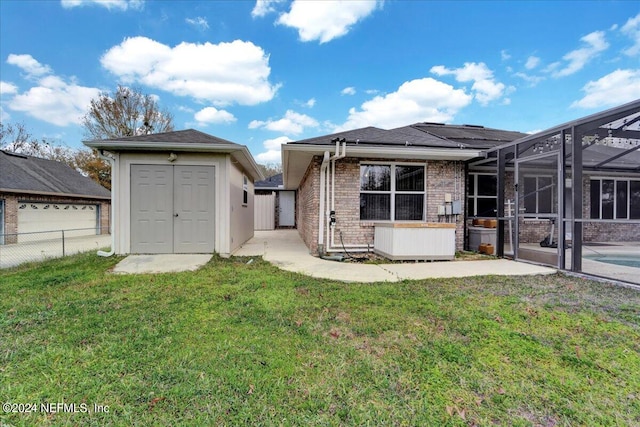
x=39 y=195
x=351 y=182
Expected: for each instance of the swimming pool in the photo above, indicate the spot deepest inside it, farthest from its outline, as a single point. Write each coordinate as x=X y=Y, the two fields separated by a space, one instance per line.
x=626 y=260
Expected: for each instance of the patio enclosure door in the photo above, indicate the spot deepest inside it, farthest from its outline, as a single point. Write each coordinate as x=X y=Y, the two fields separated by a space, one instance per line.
x=539 y=193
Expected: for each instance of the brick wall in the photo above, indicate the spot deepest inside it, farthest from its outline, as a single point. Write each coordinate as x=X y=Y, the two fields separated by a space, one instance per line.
x=11 y=204
x=440 y=180
x=307 y=206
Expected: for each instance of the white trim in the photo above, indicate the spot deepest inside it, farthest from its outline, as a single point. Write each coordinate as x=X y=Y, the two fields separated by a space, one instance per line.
x=475 y=196
x=392 y=192
x=615 y=193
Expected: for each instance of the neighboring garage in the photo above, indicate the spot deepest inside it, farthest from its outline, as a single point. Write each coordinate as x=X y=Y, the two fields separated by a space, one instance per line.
x=78 y=219
x=40 y=196
x=180 y=192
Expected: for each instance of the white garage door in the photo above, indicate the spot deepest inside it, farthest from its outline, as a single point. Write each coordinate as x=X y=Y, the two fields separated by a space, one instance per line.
x=78 y=219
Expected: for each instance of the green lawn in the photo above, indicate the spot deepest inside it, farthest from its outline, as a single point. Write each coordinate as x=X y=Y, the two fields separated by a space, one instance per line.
x=237 y=343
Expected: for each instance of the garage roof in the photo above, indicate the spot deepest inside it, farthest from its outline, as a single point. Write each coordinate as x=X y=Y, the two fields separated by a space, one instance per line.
x=27 y=174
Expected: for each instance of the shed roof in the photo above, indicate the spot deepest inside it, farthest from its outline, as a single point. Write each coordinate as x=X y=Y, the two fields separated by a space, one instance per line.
x=186 y=136
x=20 y=173
x=188 y=140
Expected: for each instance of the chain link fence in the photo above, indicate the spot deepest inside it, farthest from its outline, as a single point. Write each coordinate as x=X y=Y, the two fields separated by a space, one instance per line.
x=18 y=248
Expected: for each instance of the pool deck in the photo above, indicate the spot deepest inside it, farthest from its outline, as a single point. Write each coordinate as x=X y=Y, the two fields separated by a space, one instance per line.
x=599 y=268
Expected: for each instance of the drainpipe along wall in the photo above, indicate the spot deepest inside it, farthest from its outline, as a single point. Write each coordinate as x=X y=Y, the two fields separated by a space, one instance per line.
x=111 y=160
x=330 y=227
x=323 y=173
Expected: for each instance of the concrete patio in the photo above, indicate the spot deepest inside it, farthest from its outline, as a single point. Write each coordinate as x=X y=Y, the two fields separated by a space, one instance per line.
x=285 y=249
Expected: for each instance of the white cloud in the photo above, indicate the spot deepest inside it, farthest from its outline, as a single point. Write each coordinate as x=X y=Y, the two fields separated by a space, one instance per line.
x=615 y=88
x=109 y=4
x=326 y=20
x=532 y=62
x=7 y=88
x=484 y=85
x=28 y=64
x=632 y=29
x=310 y=103
x=348 y=91
x=200 y=23
x=273 y=150
x=532 y=80
x=417 y=100
x=211 y=115
x=55 y=101
x=505 y=55
x=577 y=59
x=264 y=7
x=223 y=74
x=4 y=116
x=292 y=122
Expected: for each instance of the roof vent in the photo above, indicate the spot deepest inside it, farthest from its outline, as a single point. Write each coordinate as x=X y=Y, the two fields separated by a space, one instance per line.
x=432 y=123
x=474 y=126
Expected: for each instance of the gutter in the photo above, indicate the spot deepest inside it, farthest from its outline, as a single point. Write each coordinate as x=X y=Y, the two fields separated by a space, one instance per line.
x=111 y=159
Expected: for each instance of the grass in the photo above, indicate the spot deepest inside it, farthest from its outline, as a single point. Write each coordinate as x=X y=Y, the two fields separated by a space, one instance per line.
x=237 y=343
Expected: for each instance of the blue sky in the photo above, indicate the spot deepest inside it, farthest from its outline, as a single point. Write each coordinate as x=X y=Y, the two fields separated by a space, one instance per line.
x=266 y=72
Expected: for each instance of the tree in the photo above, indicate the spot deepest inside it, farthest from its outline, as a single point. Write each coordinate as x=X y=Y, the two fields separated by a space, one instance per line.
x=127 y=112
x=270 y=169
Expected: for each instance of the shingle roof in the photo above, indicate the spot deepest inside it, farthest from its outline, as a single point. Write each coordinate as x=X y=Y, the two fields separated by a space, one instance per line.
x=179 y=136
x=22 y=173
x=422 y=135
x=471 y=135
x=272 y=182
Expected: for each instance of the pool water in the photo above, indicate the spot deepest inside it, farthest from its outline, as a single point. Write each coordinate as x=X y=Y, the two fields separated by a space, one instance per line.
x=625 y=260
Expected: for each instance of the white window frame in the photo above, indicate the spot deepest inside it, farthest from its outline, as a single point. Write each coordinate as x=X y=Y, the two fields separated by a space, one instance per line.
x=393 y=191
x=245 y=190
x=615 y=180
x=553 y=194
x=472 y=193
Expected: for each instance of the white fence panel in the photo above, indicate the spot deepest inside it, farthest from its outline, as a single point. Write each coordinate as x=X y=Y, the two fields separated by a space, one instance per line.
x=264 y=212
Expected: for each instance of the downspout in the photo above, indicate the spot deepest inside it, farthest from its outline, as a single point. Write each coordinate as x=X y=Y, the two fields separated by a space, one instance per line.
x=323 y=173
x=111 y=159
x=330 y=227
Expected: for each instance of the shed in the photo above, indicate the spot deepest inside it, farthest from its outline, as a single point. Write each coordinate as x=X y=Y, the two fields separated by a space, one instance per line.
x=180 y=192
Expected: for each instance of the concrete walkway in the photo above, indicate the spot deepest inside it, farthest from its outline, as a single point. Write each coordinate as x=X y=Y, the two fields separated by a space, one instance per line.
x=285 y=249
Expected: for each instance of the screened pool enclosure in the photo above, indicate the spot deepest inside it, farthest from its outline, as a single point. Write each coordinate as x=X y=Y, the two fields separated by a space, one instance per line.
x=568 y=196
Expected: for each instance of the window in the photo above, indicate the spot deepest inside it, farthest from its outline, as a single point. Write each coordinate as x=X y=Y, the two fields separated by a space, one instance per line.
x=392 y=192
x=245 y=190
x=615 y=198
x=538 y=194
x=482 y=194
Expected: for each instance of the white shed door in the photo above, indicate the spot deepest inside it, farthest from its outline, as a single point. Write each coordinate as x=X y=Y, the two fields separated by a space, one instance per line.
x=172 y=209
x=287 y=209
x=75 y=219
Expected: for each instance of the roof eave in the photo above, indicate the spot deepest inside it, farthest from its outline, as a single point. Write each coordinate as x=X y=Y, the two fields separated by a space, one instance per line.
x=240 y=152
x=53 y=193
x=306 y=153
